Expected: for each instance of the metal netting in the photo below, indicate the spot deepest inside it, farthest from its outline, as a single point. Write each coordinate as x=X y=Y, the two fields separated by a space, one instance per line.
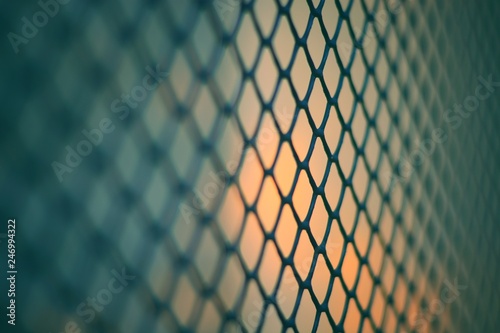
x=287 y=172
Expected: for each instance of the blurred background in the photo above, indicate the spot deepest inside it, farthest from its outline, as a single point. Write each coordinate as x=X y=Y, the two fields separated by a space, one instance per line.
x=255 y=165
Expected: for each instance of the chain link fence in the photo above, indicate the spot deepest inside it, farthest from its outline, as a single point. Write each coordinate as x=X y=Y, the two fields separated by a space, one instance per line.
x=253 y=166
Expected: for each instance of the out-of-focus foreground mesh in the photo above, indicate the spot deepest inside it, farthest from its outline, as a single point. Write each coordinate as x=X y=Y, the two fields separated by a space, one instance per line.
x=249 y=191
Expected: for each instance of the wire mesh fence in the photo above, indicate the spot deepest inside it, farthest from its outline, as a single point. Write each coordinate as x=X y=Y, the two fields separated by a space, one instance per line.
x=293 y=166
